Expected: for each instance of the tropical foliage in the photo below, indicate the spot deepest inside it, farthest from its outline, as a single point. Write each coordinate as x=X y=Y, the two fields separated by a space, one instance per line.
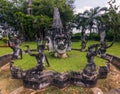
x=14 y=13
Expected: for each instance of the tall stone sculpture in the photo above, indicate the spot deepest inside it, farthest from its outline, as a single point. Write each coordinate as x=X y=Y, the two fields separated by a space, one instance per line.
x=103 y=47
x=57 y=38
x=15 y=46
x=89 y=72
x=102 y=30
x=40 y=56
x=103 y=42
x=84 y=41
x=29 y=9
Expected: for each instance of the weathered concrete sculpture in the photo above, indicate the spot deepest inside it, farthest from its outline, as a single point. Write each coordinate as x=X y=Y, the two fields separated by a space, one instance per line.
x=29 y=9
x=102 y=30
x=89 y=73
x=40 y=56
x=103 y=42
x=49 y=41
x=58 y=40
x=84 y=41
x=60 y=45
x=103 y=47
x=15 y=46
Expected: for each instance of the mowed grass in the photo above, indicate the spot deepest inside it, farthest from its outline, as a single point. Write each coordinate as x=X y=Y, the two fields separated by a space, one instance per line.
x=75 y=61
x=115 y=49
x=26 y=63
x=5 y=50
x=2 y=42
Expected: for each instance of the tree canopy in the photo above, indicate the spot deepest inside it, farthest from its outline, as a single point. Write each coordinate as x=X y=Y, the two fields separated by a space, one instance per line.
x=14 y=12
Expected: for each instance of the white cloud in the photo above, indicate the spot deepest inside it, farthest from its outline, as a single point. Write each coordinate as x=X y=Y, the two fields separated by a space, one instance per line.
x=81 y=10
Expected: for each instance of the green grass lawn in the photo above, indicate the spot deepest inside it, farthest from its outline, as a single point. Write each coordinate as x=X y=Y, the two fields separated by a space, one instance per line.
x=76 y=60
x=115 y=49
x=1 y=42
x=5 y=50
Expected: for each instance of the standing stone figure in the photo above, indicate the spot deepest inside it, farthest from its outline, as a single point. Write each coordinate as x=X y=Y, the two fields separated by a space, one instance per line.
x=89 y=72
x=15 y=46
x=57 y=38
x=40 y=56
x=49 y=41
x=103 y=47
x=84 y=41
x=29 y=9
x=102 y=29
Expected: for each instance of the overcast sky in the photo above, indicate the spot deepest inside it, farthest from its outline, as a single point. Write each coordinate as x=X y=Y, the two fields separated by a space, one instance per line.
x=81 y=5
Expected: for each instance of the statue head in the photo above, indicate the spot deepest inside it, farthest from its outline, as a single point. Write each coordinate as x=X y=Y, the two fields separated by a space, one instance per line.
x=60 y=43
x=40 y=48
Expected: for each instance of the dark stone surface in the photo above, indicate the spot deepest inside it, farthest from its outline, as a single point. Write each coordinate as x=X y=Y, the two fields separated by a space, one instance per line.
x=5 y=59
x=113 y=60
x=103 y=71
x=61 y=80
x=38 y=81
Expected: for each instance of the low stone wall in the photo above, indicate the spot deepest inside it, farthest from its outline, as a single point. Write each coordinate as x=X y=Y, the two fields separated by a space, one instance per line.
x=114 y=60
x=35 y=79
x=5 y=59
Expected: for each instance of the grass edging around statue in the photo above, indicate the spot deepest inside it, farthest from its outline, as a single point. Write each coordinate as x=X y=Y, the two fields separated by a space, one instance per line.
x=76 y=61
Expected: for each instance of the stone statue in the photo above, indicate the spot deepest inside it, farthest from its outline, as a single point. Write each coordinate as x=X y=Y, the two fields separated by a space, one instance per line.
x=49 y=41
x=29 y=9
x=40 y=57
x=57 y=40
x=60 y=45
x=57 y=23
x=89 y=72
x=84 y=41
x=103 y=46
x=15 y=46
x=102 y=30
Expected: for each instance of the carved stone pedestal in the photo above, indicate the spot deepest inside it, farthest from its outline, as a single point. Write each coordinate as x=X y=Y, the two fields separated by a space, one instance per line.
x=103 y=71
x=89 y=75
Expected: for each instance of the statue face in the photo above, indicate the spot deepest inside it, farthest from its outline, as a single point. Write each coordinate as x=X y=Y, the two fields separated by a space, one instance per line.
x=40 y=48
x=60 y=43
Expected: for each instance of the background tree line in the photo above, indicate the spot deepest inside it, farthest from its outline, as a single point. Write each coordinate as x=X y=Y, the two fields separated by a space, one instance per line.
x=14 y=13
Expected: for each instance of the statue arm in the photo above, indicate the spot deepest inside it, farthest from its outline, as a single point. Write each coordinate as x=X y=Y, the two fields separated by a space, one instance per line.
x=47 y=61
x=110 y=45
x=10 y=45
x=29 y=52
